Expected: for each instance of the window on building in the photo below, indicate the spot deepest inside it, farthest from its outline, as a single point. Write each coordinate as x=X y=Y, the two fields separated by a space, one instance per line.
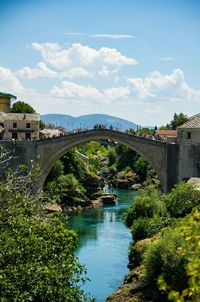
x=189 y=135
x=28 y=125
x=15 y=135
x=14 y=125
x=28 y=136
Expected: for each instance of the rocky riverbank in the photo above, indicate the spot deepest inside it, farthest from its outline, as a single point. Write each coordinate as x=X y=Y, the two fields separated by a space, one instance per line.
x=124 y=180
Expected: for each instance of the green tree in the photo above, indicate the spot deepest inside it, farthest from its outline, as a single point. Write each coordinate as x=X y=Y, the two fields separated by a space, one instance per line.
x=145 y=205
x=42 y=125
x=182 y=198
x=56 y=171
x=125 y=157
x=190 y=231
x=112 y=156
x=22 y=107
x=74 y=165
x=70 y=183
x=37 y=260
x=177 y=121
x=143 y=168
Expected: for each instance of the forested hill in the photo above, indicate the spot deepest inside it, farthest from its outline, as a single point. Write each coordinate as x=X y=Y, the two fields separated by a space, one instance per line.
x=87 y=121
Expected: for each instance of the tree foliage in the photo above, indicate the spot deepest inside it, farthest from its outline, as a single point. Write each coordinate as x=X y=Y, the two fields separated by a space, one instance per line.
x=177 y=121
x=145 y=205
x=22 y=107
x=182 y=198
x=37 y=260
x=74 y=165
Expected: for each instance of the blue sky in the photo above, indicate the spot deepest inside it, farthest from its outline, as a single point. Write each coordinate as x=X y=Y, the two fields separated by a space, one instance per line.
x=138 y=60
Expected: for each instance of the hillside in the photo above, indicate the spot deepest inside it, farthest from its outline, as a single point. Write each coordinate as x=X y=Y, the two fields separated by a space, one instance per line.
x=87 y=121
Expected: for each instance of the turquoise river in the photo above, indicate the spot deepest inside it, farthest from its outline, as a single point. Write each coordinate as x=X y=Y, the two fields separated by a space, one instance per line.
x=103 y=245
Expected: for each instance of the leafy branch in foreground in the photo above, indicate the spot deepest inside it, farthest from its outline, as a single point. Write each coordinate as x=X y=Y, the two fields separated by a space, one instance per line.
x=191 y=249
x=37 y=261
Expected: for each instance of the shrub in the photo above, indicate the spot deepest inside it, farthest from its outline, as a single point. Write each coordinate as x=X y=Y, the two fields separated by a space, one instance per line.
x=145 y=227
x=70 y=183
x=182 y=199
x=74 y=165
x=146 y=204
x=143 y=169
x=190 y=230
x=162 y=258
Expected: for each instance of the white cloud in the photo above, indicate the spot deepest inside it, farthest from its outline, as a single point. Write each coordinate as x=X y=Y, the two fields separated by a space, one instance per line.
x=77 y=72
x=79 y=55
x=112 y=36
x=152 y=90
x=167 y=59
x=115 y=93
x=159 y=87
x=40 y=71
x=75 y=91
x=8 y=81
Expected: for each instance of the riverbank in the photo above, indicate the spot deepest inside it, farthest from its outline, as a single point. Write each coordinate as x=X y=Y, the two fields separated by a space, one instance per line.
x=164 y=257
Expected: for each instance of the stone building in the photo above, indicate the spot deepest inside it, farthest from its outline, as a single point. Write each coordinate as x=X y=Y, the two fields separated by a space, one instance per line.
x=188 y=139
x=21 y=126
x=17 y=126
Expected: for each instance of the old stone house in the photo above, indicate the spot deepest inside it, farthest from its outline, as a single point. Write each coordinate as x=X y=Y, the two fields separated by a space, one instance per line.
x=189 y=132
x=21 y=126
x=188 y=139
x=17 y=126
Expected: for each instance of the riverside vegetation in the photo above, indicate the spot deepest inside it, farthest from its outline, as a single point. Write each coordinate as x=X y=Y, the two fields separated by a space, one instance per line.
x=165 y=254
x=37 y=260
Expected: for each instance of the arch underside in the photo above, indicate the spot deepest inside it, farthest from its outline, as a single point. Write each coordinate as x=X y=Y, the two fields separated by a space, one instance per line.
x=154 y=154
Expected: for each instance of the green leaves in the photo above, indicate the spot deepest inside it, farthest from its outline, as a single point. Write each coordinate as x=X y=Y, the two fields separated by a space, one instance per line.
x=182 y=199
x=22 y=107
x=37 y=261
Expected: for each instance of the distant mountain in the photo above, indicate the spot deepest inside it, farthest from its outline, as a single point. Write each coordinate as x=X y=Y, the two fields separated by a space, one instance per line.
x=87 y=121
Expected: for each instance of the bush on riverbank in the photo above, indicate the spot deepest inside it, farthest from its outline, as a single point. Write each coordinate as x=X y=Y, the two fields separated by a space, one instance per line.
x=173 y=257
x=146 y=204
x=182 y=199
x=145 y=227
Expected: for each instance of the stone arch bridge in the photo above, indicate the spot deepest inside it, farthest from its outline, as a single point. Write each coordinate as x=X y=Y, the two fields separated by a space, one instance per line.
x=162 y=156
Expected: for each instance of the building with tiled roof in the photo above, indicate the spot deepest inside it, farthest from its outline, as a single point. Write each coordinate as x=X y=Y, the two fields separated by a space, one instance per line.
x=188 y=138
x=21 y=126
x=17 y=126
x=189 y=132
x=193 y=122
x=165 y=135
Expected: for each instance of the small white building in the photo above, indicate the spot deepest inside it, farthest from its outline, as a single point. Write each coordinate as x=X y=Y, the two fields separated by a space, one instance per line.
x=21 y=126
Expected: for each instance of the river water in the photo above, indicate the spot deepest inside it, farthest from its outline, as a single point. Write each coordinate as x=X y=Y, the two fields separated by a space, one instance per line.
x=103 y=245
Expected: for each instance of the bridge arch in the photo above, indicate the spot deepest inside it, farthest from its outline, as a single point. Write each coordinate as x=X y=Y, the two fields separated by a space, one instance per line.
x=154 y=152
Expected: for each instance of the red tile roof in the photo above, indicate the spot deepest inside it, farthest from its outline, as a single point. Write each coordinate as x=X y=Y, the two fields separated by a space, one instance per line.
x=167 y=132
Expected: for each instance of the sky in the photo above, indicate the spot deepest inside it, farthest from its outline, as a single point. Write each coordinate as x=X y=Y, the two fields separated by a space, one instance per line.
x=138 y=60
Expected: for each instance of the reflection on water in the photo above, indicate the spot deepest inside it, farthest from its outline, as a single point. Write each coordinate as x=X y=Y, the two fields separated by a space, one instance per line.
x=103 y=244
